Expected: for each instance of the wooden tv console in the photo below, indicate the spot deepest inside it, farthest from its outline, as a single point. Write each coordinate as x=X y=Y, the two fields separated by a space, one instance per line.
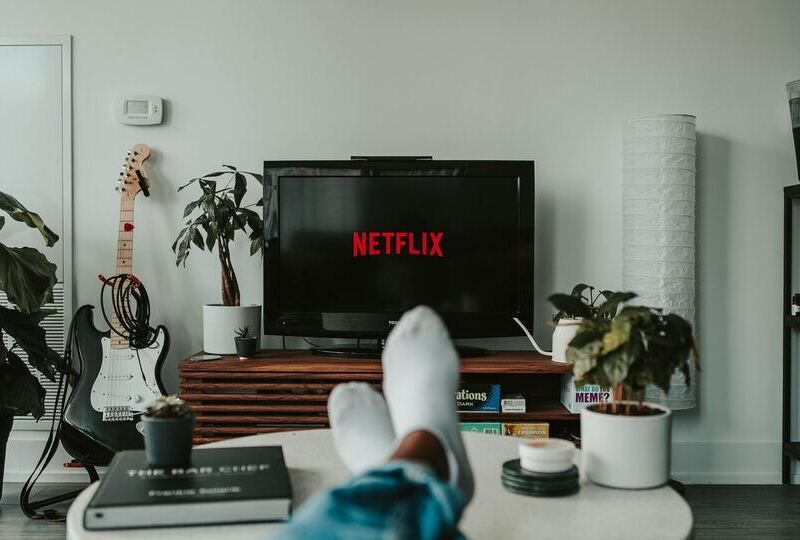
x=280 y=390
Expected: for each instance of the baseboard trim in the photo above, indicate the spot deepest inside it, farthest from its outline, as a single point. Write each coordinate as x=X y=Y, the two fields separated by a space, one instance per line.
x=728 y=462
x=23 y=452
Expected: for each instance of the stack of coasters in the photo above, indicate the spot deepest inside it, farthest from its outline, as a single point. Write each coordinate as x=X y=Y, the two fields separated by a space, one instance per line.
x=537 y=484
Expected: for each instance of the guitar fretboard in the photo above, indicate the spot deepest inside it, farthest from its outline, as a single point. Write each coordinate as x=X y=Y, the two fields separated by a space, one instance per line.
x=124 y=263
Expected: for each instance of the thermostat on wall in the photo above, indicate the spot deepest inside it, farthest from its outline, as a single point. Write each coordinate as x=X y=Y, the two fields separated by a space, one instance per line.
x=140 y=110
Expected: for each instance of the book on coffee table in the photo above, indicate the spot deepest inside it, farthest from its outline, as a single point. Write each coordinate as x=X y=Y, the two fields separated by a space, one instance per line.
x=221 y=485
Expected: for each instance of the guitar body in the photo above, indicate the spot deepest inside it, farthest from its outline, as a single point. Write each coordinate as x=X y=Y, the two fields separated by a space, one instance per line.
x=112 y=390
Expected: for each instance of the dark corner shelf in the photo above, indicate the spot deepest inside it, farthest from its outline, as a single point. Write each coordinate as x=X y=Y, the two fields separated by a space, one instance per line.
x=791 y=323
x=792 y=449
x=792 y=192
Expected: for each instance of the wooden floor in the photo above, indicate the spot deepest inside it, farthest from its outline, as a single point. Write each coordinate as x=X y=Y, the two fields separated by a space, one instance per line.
x=735 y=512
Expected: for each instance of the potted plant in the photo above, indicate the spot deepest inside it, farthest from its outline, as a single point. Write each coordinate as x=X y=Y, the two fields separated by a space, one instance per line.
x=27 y=278
x=168 y=427
x=245 y=343
x=626 y=443
x=581 y=303
x=213 y=220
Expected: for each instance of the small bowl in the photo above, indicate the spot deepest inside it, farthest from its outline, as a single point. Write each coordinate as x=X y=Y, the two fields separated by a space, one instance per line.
x=546 y=455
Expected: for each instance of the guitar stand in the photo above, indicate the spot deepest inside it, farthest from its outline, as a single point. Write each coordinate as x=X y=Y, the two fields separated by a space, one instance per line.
x=32 y=508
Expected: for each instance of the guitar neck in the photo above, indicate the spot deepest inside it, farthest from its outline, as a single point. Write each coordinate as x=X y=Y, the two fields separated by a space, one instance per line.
x=124 y=263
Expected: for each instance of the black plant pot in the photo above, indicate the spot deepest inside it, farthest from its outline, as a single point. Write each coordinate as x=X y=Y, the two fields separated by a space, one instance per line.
x=168 y=441
x=246 y=346
x=5 y=429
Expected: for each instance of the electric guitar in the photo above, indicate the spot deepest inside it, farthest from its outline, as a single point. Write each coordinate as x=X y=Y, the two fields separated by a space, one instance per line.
x=116 y=381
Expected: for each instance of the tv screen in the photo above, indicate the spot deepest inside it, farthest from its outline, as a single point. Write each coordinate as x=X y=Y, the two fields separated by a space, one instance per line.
x=352 y=245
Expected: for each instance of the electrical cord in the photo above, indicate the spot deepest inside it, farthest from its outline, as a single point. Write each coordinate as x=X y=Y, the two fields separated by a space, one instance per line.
x=131 y=307
x=311 y=343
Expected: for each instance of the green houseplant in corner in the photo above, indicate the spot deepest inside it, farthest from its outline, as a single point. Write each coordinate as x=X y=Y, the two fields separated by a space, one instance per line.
x=584 y=302
x=626 y=443
x=214 y=220
x=27 y=278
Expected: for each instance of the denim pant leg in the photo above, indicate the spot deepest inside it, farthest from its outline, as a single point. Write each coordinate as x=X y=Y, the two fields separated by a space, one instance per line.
x=396 y=501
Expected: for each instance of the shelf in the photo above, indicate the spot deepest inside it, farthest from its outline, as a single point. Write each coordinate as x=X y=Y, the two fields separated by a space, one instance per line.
x=545 y=412
x=279 y=361
x=280 y=390
x=791 y=321
x=792 y=449
x=792 y=192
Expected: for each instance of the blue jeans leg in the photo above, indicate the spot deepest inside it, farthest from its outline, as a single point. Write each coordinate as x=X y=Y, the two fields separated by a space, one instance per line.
x=396 y=501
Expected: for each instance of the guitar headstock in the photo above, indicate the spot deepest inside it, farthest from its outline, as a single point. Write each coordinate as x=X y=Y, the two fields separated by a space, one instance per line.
x=133 y=178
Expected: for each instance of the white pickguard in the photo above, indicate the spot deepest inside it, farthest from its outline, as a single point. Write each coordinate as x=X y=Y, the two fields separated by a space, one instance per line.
x=119 y=391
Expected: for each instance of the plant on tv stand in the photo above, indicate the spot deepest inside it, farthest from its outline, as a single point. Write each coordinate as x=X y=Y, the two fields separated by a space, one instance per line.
x=582 y=303
x=214 y=218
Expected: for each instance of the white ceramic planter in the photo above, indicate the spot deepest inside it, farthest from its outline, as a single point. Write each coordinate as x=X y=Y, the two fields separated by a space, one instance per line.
x=631 y=452
x=220 y=323
x=564 y=332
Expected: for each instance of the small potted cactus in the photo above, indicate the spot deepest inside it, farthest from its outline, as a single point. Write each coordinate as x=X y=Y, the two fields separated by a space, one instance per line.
x=246 y=343
x=168 y=425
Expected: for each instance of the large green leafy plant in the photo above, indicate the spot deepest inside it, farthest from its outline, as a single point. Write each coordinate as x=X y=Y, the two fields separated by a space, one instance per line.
x=637 y=347
x=214 y=218
x=584 y=302
x=27 y=278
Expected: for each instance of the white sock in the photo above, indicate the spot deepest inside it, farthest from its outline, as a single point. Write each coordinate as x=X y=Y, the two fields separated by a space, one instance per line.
x=362 y=430
x=420 y=379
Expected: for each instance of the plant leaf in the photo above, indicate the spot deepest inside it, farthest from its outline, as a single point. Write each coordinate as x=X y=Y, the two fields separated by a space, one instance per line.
x=578 y=289
x=569 y=305
x=25 y=330
x=214 y=174
x=258 y=177
x=211 y=236
x=20 y=391
x=189 y=183
x=617 y=336
x=255 y=245
x=613 y=300
x=18 y=212
x=239 y=189
x=197 y=239
x=190 y=208
x=27 y=277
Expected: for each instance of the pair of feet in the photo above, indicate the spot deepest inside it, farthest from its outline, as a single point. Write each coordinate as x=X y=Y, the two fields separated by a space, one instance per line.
x=420 y=379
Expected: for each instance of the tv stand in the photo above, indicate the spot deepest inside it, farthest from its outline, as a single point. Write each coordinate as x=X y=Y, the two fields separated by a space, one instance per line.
x=279 y=390
x=374 y=353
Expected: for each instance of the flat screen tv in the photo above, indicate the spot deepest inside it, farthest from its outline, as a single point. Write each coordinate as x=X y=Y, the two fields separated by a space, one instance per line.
x=351 y=245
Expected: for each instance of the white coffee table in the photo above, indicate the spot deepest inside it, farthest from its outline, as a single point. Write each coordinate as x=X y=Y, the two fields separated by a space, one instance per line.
x=594 y=512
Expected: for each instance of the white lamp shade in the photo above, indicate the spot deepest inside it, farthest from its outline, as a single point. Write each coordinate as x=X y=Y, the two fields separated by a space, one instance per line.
x=658 y=207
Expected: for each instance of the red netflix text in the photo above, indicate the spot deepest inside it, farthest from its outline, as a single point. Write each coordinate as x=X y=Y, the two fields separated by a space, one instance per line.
x=370 y=243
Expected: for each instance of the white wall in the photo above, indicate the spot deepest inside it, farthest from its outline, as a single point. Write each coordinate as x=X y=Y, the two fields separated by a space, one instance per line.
x=550 y=81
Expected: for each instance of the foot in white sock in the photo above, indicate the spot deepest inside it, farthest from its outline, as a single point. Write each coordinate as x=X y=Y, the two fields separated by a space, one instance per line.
x=420 y=379
x=361 y=427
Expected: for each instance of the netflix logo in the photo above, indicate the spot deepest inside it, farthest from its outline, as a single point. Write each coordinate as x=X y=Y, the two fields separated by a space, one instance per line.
x=371 y=243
